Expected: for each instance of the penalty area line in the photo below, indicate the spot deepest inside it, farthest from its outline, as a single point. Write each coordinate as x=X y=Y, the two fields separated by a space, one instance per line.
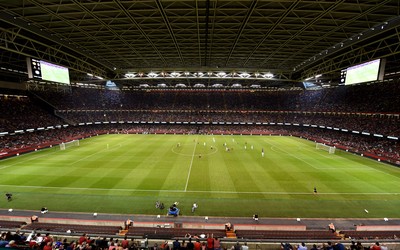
x=25 y=155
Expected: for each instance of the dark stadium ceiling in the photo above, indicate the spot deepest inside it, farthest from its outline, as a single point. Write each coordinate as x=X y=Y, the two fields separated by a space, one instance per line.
x=276 y=42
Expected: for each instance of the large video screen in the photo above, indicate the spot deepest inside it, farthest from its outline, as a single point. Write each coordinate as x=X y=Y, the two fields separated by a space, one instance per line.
x=365 y=72
x=38 y=69
x=311 y=86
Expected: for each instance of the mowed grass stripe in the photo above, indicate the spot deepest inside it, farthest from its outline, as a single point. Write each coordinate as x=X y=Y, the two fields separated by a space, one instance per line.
x=334 y=181
x=256 y=168
x=293 y=172
x=124 y=190
x=129 y=172
x=330 y=179
x=216 y=177
x=80 y=172
x=359 y=170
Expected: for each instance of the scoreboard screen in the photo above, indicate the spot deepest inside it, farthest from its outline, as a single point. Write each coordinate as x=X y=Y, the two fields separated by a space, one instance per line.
x=42 y=70
x=365 y=72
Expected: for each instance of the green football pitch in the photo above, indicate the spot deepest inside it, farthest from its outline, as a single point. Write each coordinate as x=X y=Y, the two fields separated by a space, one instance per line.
x=127 y=174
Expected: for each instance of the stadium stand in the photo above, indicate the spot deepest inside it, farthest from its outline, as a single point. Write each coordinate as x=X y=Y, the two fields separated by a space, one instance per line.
x=362 y=119
x=21 y=112
x=11 y=224
x=284 y=235
x=75 y=228
x=78 y=236
x=373 y=98
x=96 y=234
x=169 y=233
x=338 y=107
x=362 y=235
x=376 y=113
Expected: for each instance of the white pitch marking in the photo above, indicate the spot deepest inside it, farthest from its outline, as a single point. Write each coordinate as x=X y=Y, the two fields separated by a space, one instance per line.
x=191 y=164
x=19 y=162
x=193 y=191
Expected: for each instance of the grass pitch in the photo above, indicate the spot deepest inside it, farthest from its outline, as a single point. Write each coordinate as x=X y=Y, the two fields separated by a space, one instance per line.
x=129 y=173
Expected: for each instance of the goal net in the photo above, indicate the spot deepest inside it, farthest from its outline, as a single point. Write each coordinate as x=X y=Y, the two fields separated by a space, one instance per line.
x=327 y=148
x=65 y=145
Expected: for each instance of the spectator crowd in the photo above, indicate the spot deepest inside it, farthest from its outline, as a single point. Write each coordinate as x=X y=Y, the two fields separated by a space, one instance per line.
x=368 y=109
x=38 y=241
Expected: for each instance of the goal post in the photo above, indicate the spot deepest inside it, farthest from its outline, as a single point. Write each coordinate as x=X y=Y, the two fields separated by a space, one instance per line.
x=65 y=145
x=329 y=149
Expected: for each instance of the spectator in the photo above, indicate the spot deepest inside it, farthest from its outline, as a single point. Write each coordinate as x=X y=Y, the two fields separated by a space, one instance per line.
x=210 y=242
x=286 y=246
x=190 y=245
x=339 y=246
x=176 y=245
x=197 y=245
x=302 y=246
x=217 y=244
x=375 y=246
x=125 y=242
x=165 y=245
x=236 y=246
x=48 y=246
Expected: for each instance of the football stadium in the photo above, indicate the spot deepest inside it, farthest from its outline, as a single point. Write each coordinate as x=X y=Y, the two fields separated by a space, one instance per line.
x=212 y=124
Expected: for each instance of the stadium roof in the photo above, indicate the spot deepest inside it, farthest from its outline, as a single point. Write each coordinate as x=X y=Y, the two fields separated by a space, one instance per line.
x=276 y=41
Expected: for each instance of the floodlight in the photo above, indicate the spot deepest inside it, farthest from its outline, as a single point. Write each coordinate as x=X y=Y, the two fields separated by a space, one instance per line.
x=236 y=85
x=152 y=74
x=221 y=74
x=268 y=75
x=244 y=75
x=175 y=74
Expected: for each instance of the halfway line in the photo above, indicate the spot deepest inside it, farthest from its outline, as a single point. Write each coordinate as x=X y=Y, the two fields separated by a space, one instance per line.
x=191 y=163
